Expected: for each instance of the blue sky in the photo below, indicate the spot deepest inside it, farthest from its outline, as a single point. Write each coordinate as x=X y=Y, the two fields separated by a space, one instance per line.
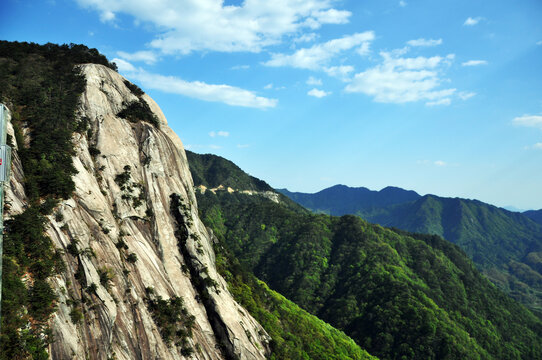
x=441 y=97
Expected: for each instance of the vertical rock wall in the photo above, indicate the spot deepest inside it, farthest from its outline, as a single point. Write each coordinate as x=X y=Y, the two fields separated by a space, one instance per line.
x=121 y=237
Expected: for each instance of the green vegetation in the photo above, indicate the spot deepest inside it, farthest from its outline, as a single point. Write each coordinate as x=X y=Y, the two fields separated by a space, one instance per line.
x=505 y=246
x=535 y=215
x=211 y=171
x=295 y=334
x=41 y=86
x=138 y=111
x=398 y=295
x=173 y=320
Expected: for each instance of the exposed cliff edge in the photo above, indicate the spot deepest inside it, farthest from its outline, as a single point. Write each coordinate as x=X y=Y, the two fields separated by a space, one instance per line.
x=122 y=246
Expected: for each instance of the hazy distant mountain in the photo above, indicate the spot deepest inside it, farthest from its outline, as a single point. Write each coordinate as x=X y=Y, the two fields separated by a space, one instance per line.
x=506 y=246
x=535 y=215
x=340 y=199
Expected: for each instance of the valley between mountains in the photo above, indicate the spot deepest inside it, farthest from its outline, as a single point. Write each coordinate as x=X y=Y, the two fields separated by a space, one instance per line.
x=119 y=244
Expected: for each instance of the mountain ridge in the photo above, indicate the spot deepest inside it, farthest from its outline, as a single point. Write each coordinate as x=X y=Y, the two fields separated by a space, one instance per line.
x=504 y=244
x=364 y=279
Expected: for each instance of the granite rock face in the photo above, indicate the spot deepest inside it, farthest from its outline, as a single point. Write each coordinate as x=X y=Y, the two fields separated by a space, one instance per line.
x=134 y=187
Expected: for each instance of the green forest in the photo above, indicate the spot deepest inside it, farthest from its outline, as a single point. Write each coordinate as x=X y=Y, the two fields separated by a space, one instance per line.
x=41 y=86
x=506 y=246
x=397 y=294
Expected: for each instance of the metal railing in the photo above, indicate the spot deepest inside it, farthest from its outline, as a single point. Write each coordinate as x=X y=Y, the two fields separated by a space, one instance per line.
x=5 y=166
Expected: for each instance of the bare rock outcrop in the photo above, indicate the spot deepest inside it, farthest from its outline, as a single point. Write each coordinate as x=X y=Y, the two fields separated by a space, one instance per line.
x=131 y=232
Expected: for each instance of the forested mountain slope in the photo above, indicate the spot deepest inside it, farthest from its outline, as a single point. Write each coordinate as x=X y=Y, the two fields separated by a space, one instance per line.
x=396 y=294
x=342 y=200
x=104 y=254
x=505 y=245
x=535 y=215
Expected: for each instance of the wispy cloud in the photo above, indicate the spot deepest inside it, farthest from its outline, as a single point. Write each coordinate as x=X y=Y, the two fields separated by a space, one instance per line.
x=445 y=101
x=538 y=146
x=268 y=86
x=539 y=42
x=318 y=56
x=472 y=21
x=240 y=67
x=314 y=81
x=226 y=94
x=474 y=63
x=147 y=57
x=438 y=163
x=402 y=3
x=424 y=42
x=308 y=37
x=210 y=25
x=465 y=95
x=528 y=121
x=400 y=79
x=219 y=133
x=318 y=93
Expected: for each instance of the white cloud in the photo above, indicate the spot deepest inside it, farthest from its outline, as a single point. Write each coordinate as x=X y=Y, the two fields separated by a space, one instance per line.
x=268 y=86
x=538 y=146
x=474 y=63
x=402 y=3
x=318 y=93
x=107 y=16
x=332 y=16
x=305 y=38
x=465 y=95
x=424 y=42
x=445 y=101
x=339 y=71
x=209 y=25
x=147 y=57
x=364 y=49
x=318 y=56
x=438 y=163
x=226 y=94
x=528 y=121
x=240 y=67
x=123 y=65
x=400 y=80
x=472 y=21
x=219 y=133
x=314 y=81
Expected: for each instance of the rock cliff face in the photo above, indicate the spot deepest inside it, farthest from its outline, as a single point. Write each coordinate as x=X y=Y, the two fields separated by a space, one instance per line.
x=131 y=235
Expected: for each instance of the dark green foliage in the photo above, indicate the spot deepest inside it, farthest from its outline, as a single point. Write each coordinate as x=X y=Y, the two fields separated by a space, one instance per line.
x=27 y=250
x=398 y=295
x=123 y=178
x=138 y=111
x=172 y=318
x=131 y=258
x=76 y=315
x=41 y=86
x=504 y=245
x=535 y=215
x=212 y=170
x=295 y=334
x=342 y=200
x=136 y=90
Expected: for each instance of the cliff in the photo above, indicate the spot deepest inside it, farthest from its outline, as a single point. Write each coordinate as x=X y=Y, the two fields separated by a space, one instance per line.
x=140 y=279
